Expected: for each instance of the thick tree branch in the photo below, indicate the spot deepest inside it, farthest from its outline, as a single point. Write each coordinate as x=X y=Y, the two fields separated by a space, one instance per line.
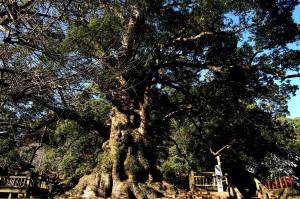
x=4 y=29
x=179 y=110
x=194 y=37
x=91 y=124
x=181 y=64
x=228 y=146
x=132 y=21
x=277 y=73
x=217 y=33
x=41 y=15
x=289 y=76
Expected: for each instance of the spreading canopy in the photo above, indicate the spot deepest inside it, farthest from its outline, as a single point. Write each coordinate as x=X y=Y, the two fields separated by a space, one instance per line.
x=151 y=60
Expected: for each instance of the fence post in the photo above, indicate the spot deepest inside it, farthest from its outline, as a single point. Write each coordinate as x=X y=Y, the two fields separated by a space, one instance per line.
x=291 y=181
x=192 y=183
x=276 y=183
x=285 y=182
x=280 y=182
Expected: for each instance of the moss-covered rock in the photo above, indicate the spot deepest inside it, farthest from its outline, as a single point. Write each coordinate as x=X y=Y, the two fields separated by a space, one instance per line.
x=287 y=193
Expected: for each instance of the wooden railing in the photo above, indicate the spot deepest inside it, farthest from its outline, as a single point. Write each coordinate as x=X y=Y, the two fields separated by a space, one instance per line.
x=24 y=184
x=262 y=191
x=281 y=183
x=15 y=185
x=14 y=181
x=205 y=180
x=234 y=192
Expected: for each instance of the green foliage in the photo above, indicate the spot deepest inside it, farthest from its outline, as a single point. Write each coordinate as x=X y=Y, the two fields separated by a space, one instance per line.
x=174 y=166
x=90 y=104
x=293 y=142
x=9 y=155
x=71 y=150
x=228 y=113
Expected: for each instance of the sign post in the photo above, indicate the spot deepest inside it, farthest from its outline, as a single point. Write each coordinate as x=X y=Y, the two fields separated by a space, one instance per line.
x=219 y=178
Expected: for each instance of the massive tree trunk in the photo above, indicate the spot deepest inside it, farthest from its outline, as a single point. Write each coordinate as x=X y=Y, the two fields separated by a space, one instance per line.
x=129 y=150
x=127 y=168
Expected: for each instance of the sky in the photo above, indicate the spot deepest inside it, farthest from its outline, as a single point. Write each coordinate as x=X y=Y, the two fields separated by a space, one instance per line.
x=294 y=103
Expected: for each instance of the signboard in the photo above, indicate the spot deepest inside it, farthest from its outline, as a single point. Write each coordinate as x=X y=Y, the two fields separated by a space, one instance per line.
x=219 y=178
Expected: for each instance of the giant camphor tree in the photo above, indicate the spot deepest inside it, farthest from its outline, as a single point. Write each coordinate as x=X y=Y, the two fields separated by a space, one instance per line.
x=138 y=52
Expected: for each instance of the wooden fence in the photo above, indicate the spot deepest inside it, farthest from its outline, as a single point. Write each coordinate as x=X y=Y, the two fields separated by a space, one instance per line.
x=205 y=180
x=281 y=183
x=24 y=185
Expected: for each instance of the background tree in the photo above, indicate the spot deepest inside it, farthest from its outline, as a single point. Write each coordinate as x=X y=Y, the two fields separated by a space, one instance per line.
x=8 y=154
x=76 y=150
x=136 y=50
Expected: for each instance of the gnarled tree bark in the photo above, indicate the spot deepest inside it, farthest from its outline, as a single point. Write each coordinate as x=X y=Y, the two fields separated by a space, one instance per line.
x=128 y=168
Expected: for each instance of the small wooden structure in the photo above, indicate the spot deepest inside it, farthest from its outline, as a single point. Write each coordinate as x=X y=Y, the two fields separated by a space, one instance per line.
x=22 y=186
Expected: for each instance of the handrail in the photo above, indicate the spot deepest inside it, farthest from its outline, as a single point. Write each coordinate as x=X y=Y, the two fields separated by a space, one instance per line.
x=234 y=191
x=262 y=191
x=26 y=184
x=14 y=181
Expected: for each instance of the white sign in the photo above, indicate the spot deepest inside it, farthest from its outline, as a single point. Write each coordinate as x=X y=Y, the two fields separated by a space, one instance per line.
x=218 y=170
x=219 y=178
